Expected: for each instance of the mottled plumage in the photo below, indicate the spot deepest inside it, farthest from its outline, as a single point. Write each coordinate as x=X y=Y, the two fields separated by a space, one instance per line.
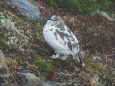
x=61 y=38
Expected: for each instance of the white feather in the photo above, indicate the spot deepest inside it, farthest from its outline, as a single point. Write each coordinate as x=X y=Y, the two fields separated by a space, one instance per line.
x=60 y=37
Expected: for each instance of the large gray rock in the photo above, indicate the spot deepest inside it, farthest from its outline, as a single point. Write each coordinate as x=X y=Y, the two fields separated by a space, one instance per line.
x=26 y=8
x=25 y=79
x=2 y=59
x=4 y=79
x=29 y=79
x=50 y=83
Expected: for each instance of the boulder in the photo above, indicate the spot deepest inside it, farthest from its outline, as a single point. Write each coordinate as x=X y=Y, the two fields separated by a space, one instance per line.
x=26 y=8
x=29 y=79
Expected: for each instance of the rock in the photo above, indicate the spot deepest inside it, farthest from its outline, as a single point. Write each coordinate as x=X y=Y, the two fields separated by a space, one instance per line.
x=2 y=59
x=26 y=8
x=4 y=79
x=50 y=83
x=29 y=79
x=24 y=79
x=3 y=76
x=103 y=14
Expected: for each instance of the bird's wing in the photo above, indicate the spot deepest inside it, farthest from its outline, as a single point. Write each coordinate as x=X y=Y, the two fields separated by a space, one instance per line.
x=70 y=39
x=53 y=38
x=61 y=39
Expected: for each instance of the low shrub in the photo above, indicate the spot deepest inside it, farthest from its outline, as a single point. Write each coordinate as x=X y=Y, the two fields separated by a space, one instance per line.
x=82 y=6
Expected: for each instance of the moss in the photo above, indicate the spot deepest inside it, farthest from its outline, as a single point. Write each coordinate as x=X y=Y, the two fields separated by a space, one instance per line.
x=96 y=68
x=45 y=66
x=100 y=70
x=2 y=42
x=22 y=61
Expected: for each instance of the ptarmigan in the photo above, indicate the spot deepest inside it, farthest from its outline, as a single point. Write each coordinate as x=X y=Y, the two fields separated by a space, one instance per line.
x=61 y=38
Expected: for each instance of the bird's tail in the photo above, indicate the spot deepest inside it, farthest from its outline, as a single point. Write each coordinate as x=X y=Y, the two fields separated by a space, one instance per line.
x=80 y=60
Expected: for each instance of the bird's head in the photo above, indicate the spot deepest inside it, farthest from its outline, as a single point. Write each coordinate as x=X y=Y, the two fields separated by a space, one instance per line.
x=55 y=18
x=55 y=21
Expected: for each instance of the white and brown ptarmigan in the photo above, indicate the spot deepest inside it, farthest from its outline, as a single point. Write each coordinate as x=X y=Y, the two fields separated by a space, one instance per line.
x=61 y=38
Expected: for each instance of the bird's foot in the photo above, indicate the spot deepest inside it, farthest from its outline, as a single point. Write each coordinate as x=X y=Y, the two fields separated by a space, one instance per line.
x=55 y=56
x=63 y=57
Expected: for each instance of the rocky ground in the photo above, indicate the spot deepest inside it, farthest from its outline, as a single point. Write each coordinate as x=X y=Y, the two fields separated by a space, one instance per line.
x=25 y=57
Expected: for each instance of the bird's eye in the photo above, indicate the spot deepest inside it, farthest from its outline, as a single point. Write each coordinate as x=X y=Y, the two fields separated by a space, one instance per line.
x=55 y=20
